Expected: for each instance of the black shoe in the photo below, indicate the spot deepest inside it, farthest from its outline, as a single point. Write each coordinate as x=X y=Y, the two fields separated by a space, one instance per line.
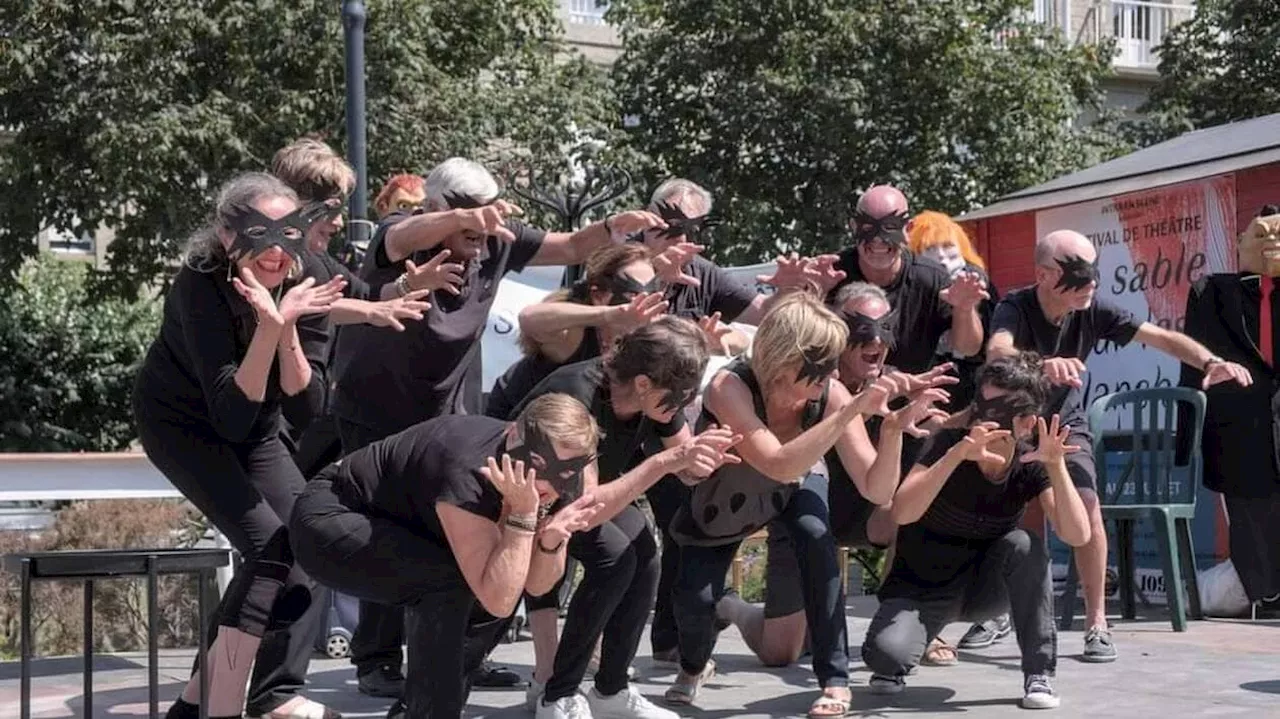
x=397 y=710
x=385 y=681
x=488 y=676
x=984 y=634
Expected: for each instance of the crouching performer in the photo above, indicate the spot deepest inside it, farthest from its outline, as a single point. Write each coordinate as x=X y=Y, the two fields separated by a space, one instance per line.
x=451 y=519
x=960 y=553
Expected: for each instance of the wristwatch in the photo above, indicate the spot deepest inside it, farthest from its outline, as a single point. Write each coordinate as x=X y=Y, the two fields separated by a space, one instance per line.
x=1211 y=361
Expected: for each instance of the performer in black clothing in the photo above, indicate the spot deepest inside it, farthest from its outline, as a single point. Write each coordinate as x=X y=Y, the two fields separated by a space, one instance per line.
x=791 y=412
x=928 y=301
x=960 y=553
x=618 y=292
x=636 y=394
x=208 y=402
x=1235 y=316
x=389 y=381
x=451 y=519
x=1060 y=318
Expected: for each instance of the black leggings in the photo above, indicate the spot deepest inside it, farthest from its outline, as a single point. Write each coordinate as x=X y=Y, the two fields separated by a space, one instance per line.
x=247 y=491
x=619 y=579
x=701 y=582
x=378 y=560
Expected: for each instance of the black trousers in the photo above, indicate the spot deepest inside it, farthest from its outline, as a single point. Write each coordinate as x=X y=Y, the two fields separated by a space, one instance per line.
x=665 y=498
x=702 y=575
x=620 y=577
x=1013 y=576
x=247 y=491
x=380 y=631
x=383 y=562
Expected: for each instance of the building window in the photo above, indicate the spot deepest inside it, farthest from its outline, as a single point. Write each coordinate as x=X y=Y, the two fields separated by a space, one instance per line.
x=587 y=12
x=69 y=243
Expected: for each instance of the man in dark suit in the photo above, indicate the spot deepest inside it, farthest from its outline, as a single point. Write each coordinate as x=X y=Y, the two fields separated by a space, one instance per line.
x=1234 y=315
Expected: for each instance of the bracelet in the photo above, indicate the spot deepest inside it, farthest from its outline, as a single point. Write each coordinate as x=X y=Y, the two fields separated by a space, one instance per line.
x=553 y=550
x=402 y=284
x=1211 y=361
x=522 y=523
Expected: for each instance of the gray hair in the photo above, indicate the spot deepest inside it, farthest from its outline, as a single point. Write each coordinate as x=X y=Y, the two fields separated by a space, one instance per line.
x=676 y=187
x=856 y=292
x=205 y=252
x=461 y=176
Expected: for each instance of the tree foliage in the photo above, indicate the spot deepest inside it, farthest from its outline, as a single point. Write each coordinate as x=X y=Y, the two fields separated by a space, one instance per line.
x=69 y=363
x=1221 y=66
x=786 y=109
x=130 y=113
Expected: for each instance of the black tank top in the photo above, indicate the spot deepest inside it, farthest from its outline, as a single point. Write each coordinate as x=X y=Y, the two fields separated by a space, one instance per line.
x=512 y=387
x=738 y=500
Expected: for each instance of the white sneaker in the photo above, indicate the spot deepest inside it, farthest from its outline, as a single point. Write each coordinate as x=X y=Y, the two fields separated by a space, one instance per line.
x=626 y=704
x=574 y=706
x=533 y=695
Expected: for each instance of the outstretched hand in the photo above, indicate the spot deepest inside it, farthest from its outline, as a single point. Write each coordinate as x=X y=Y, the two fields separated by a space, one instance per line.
x=966 y=291
x=574 y=517
x=514 y=483
x=920 y=411
x=705 y=453
x=640 y=311
x=717 y=334
x=1052 y=445
x=308 y=298
x=390 y=313
x=436 y=274
x=670 y=263
x=975 y=444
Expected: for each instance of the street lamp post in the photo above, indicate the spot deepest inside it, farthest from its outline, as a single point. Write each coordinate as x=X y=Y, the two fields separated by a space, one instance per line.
x=353 y=19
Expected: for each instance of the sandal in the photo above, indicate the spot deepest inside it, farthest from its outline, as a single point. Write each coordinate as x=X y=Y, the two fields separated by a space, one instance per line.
x=940 y=654
x=685 y=689
x=827 y=706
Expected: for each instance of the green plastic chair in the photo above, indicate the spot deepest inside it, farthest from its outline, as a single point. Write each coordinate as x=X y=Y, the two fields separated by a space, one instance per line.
x=1157 y=480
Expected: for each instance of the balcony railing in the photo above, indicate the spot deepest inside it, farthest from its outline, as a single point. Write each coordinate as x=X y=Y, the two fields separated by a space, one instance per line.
x=586 y=12
x=1138 y=27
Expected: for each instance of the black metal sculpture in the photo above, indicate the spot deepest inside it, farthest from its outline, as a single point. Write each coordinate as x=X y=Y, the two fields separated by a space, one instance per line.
x=571 y=201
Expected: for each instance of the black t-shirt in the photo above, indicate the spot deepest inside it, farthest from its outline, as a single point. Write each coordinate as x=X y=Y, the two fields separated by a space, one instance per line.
x=402 y=477
x=391 y=380
x=938 y=551
x=620 y=439
x=923 y=316
x=189 y=372
x=521 y=377
x=718 y=292
x=1020 y=314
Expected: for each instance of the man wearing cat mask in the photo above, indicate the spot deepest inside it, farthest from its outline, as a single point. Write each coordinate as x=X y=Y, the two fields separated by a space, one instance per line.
x=921 y=290
x=1234 y=315
x=1060 y=318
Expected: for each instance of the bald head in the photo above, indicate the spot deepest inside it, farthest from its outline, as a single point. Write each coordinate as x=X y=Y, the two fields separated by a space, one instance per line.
x=882 y=200
x=1062 y=243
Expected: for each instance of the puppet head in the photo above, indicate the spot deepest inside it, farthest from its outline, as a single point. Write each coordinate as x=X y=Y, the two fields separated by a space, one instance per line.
x=402 y=193
x=1260 y=243
x=938 y=237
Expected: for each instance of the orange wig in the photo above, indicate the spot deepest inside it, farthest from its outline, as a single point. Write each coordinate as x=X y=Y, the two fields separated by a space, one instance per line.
x=932 y=229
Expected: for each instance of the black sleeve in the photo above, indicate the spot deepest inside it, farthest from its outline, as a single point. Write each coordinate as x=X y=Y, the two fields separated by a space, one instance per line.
x=1034 y=479
x=1199 y=313
x=527 y=243
x=378 y=245
x=300 y=409
x=1008 y=317
x=575 y=380
x=726 y=295
x=937 y=444
x=1113 y=322
x=461 y=488
x=209 y=334
x=942 y=310
x=670 y=429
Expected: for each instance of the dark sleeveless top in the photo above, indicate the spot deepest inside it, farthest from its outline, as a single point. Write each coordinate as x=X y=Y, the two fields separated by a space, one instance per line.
x=514 y=385
x=737 y=500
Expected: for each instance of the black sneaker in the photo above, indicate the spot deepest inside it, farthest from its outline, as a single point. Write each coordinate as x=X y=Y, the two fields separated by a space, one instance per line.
x=384 y=681
x=1038 y=693
x=1098 y=647
x=986 y=633
x=488 y=676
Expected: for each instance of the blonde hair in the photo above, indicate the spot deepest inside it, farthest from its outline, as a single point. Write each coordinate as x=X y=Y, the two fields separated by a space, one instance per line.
x=563 y=420
x=313 y=170
x=205 y=252
x=796 y=324
x=931 y=229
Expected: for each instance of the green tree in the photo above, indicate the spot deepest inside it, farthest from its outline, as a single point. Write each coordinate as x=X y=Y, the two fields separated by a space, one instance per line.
x=786 y=109
x=69 y=363
x=130 y=113
x=1221 y=66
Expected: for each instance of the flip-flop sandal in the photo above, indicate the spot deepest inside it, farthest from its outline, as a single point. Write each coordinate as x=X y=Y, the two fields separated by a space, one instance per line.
x=827 y=706
x=685 y=689
x=940 y=654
